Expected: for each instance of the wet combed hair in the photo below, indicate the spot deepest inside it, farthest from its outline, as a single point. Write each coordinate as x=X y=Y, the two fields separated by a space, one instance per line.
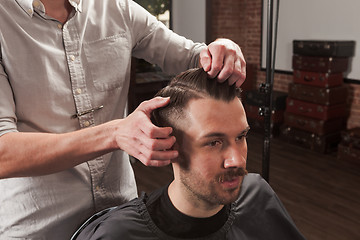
x=189 y=85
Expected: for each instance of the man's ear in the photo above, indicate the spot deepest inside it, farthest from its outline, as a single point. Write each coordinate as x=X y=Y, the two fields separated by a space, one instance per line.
x=182 y=160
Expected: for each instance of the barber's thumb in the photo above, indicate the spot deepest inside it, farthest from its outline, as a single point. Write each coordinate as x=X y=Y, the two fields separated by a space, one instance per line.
x=155 y=103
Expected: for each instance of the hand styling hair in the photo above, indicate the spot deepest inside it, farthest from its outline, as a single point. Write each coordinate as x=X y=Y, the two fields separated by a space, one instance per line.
x=189 y=85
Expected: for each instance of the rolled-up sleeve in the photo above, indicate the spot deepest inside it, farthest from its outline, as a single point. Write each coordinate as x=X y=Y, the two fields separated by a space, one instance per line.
x=154 y=42
x=7 y=104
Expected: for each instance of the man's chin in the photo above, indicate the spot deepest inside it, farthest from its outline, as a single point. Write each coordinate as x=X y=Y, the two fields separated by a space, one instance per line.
x=230 y=195
x=231 y=190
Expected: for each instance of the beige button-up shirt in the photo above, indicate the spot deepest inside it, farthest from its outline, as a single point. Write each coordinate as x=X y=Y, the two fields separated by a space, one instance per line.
x=50 y=71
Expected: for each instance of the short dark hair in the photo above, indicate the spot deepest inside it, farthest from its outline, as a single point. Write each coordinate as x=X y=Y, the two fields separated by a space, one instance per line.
x=191 y=84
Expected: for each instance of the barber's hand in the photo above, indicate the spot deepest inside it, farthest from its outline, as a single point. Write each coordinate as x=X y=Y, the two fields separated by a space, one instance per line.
x=223 y=59
x=140 y=138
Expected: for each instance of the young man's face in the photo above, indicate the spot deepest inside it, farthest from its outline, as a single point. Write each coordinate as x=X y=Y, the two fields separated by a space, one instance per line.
x=214 y=150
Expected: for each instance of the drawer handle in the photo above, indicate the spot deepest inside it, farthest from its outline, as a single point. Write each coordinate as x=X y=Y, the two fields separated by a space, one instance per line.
x=300 y=122
x=309 y=79
x=304 y=110
x=310 y=94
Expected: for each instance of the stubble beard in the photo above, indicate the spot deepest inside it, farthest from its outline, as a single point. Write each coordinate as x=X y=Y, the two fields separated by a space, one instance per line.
x=211 y=192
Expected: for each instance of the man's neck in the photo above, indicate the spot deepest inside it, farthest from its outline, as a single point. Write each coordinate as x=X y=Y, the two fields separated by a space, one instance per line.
x=58 y=9
x=188 y=204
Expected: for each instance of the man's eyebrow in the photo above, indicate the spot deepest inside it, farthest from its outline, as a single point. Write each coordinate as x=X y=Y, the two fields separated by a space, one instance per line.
x=213 y=134
x=219 y=134
x=245 y=131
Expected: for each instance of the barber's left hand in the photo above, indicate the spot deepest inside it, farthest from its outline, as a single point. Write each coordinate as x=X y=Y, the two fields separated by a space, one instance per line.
x=223 y=59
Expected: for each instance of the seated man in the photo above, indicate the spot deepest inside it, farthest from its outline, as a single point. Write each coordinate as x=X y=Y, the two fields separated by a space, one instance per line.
x=211 y=196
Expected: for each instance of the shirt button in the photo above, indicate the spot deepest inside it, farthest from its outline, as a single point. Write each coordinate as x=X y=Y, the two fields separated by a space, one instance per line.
x=59 y=26
x=78 y=91
x=97 y=188
x=72 y=57
x=30 y=11
x=36 y=4
x=86 y=123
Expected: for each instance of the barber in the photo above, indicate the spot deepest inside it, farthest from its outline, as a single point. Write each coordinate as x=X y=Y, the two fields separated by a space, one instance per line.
x=64 y=78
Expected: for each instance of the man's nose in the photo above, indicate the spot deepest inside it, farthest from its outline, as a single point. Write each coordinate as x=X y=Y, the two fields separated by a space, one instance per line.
x=236 y=158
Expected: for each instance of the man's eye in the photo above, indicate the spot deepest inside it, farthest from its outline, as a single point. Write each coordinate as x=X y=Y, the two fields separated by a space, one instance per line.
x=243 y=136
x=213 y=143
x=240 y=137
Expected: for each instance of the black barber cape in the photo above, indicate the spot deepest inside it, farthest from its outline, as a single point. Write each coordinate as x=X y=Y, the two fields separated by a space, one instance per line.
x=256 y=214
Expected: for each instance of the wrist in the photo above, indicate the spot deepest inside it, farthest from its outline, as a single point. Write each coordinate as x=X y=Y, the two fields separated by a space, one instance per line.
x=110 y=130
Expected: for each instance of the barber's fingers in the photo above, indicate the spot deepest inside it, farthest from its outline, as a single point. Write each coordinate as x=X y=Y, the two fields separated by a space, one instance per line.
x=149 y=156
x=140 y=138
x=223 y=59
x=228 y=70
x=146 y=126
x=159 y=144
x=152 y=131
x=155 y=144
x=155 y=163
x=212 y=59
x=153 y=152
x=156 y=158
x=205 y=59
x=239 y=74
x=152 y=158
x=233 y=71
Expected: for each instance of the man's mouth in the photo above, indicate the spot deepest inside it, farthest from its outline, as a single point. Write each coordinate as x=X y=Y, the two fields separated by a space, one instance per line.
x=231 y=179
x=230 y=183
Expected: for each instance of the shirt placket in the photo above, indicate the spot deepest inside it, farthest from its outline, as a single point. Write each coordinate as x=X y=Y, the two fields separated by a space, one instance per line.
x=83 y=106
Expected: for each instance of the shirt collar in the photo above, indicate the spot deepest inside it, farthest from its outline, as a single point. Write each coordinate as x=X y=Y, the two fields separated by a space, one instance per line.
x=77 y=4
x=29 y=5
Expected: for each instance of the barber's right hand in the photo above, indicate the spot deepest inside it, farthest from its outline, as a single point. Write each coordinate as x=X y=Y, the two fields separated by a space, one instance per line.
x=140 y=138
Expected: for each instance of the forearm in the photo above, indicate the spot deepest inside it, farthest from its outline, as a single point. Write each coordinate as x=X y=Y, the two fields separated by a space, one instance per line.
x=31 y=154
x=157 y=44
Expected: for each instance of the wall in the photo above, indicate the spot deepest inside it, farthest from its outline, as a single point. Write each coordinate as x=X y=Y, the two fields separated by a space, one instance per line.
x=241 y=21
x=193 y=26
x=340 y=21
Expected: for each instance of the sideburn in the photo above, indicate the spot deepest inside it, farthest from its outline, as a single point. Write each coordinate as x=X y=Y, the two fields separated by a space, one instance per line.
x=183 y=158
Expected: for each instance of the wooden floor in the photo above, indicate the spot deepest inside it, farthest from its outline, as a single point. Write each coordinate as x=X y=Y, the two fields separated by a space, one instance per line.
x=321 y=193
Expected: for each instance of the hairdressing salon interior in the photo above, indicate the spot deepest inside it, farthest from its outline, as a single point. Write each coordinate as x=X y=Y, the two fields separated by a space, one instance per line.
x=313 y=162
